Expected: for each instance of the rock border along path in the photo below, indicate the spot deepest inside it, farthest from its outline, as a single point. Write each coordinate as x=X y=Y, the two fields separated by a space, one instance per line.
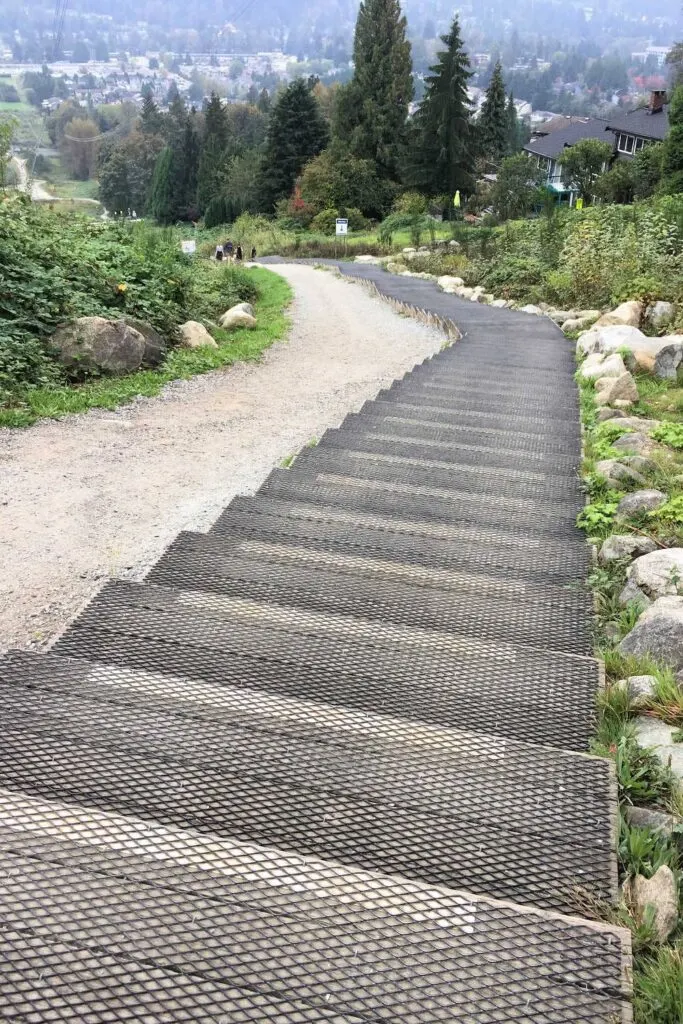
x=328 y=762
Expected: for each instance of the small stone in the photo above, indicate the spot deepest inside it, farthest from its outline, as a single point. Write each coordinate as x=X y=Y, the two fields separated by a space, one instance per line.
x=195 y=335
x=633 y=442
x=619 y=475
x=659 y=634
x=530 y=308
x=612 y=389
x=499 y=303
x=658 y=314
x=632 y=595
x=640 y=423
x=609 y=414
x=661 y=893
x=649 y=817
x=235 y=318
x=560 y=316
x=622 y=403
x=641 y=687
x=640 y=501
x=369 y=260
x=627 y=545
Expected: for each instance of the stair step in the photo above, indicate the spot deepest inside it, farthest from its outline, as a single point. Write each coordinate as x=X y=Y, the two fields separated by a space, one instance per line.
x=552 y=618
x=508 y=820
x=557 y=433
x=114 y=914
x=411 y=542
x=499 y=394
x=505 y=689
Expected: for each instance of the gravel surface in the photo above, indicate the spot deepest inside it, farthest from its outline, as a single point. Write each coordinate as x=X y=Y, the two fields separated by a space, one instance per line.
x=102 y=494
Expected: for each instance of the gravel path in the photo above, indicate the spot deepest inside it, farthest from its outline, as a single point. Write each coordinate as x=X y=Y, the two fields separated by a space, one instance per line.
x=102 y=494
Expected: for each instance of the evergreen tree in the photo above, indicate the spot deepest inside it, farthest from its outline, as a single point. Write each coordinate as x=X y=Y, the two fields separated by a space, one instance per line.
x=372 y=110
x=151 y=118
x=672 y=159
x=514 y=135
x=161 y=198
x=441 y=159
x=214 y=157
x=297 y=132
x=493 y=119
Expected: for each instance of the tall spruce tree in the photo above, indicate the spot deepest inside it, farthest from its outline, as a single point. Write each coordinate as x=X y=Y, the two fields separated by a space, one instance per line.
x=441 y=158
x=151 y=118
x=213 y=160
x=514 y=139
x=493 y=119
x=161 y=199
x=372 y=111
x=296 y=133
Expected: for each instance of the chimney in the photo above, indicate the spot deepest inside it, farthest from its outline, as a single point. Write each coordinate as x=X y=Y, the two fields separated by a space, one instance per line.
x=657 y=101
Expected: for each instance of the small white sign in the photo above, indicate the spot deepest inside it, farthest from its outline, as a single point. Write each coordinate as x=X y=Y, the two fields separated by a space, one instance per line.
x=189 y=247
x=342 y=226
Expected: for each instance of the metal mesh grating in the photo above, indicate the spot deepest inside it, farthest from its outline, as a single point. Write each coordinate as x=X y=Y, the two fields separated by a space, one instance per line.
x=514 y=691
x=552 y=618
x=559 y=432
x=186 y=926
x=528 y=557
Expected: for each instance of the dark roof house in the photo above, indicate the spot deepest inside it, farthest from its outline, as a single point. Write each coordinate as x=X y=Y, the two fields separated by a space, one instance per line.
x=637 y=128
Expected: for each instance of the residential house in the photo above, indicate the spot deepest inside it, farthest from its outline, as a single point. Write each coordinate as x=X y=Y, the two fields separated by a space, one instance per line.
x=627 y=131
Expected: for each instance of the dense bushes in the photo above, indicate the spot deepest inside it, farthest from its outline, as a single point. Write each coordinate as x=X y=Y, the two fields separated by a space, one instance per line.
x=55 y=267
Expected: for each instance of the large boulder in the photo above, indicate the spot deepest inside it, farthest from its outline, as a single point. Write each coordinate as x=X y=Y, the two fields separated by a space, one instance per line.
x=618 y=336
x=634 y=441
x=450 y=284
x=658 y=633
x=629 y=314
x=619 y=474
x=195 y=335
x=639 y=423
x=155 y=344
x=94 y=344
x=246 y=307
x=236 y=317
x=620 y=546
x=615 y=389
x=640 y=501
x=656 y=896
x=370 y=260
x=576 y=324
x=658 y=573
x=532 y=309
x=669 y=358
x=598 y=365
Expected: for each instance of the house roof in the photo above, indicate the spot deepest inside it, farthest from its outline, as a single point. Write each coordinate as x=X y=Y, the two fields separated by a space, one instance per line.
x=641 y=122
x=554 y=144
x=557 y=122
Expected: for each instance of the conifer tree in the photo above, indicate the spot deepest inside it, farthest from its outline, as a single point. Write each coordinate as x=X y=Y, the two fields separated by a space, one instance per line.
x=372 y=111
x=514 y=141
x=161 y=199
x=151 y=118
x=493 y=119
x=213 y=160
x=672 y=159
x=441 y=157
x=296 y=133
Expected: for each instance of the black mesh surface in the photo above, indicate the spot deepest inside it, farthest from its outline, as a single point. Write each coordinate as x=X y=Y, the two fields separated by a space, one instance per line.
x=552 y=617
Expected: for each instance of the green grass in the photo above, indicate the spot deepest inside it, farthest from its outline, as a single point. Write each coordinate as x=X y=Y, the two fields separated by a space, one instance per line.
x=69 y=189
x=107 y=393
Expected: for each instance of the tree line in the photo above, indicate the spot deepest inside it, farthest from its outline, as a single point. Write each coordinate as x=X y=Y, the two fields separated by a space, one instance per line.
x=316 y=148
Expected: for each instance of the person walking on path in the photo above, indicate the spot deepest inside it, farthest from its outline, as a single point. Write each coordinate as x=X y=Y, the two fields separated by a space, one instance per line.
x=253 y=252
x=219 y=252
x=238 y=254
x=228 y=249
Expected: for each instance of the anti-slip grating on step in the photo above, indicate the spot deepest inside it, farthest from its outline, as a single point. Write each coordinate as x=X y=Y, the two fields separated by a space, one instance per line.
x=405 y=501
x=556 y=433
x=388 y=443
x=112 y=917
x=491 y=818
x=514 y=406
x=533 y=448
x=513 y=691
x=476 y=550
x=469 y=393
x=552 y=618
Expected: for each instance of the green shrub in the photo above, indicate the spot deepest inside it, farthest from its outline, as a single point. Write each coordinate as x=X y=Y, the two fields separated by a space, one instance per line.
x=670 y=434
x=325 y=222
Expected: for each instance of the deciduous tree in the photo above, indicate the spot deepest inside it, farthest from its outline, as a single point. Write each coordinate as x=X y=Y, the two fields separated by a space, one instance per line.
x=582 y=165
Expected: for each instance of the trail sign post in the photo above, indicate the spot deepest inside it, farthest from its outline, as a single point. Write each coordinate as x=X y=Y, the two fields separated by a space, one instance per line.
x=189 y=246
x=342 y=226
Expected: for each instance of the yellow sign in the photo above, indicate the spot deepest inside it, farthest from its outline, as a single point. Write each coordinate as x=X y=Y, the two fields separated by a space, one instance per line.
x=579 y=203
x=456 y=200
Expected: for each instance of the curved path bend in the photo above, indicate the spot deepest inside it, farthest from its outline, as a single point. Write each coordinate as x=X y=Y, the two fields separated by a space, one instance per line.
x=328 y=761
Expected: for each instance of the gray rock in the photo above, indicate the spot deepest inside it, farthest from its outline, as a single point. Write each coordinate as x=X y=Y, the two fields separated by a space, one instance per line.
x=246 y=307
x=658 y=314
x=560 y=316
x=530 y=308
x=641 y=687
x=660 y=893
x=640 y=424
x=611 y=389
x=649 y=817
x=633 y=442
x=628 y=313
x=155 y=345
x=640 y=501
x=619 y=475
x=597 y=365
x=499 y=303
x=448 y=283
x=659 y=573
x=610 y=414
x=632 y=595
x=624 y=545
x=93 y=344
x=369 y=260
x=234 y=318
x=639 y=463
x=618 y=336
x=668 y=360
x=658 y=633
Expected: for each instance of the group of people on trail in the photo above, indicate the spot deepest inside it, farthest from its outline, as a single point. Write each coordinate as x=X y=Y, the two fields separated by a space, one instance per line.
x=233 y=253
